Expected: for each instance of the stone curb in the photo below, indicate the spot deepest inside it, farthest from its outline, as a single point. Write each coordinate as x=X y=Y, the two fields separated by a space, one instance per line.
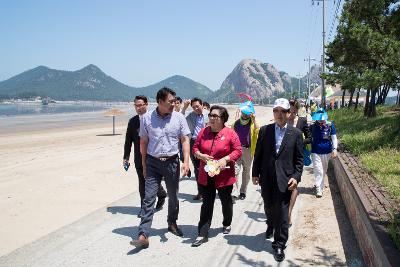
x=375 y=244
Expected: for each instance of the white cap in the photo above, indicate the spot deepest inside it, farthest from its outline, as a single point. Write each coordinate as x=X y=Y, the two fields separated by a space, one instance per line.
x=282 y=102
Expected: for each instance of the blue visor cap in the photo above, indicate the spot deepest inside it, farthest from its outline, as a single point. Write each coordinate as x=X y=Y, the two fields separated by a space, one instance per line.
x=247 y=108
x=320 y=115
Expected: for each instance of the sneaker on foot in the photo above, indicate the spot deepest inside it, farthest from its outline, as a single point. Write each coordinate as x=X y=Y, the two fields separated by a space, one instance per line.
x=319 y=193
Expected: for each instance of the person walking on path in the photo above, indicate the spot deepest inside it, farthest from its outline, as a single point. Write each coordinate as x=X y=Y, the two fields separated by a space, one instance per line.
x=196 y=121
x=132 y=136
x=277 y=167
x=323 y=146
x=217 y=147
x=300 y=123
x=247 y=129
x=160 y=132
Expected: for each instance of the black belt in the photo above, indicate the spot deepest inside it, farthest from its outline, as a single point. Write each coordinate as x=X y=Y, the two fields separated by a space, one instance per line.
x=245 y=146
x=164 y=158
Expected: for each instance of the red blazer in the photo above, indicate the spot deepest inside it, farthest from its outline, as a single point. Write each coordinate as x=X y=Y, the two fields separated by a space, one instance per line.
x=225 y=143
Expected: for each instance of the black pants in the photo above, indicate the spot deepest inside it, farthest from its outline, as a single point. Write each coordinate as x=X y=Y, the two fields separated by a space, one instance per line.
x=276 y=207
x=207 y=207
x=196 y=164
x=160 y=193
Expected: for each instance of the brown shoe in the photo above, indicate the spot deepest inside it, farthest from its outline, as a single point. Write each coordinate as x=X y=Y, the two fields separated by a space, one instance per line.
x=173 y=228
x=141 y=242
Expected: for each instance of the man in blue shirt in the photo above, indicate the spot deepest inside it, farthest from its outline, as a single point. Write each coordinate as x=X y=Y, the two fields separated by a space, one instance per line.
x=323 y=146
x=160 y=133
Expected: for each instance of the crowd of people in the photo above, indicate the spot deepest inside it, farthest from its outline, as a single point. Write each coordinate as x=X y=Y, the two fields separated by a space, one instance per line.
x=224 y=158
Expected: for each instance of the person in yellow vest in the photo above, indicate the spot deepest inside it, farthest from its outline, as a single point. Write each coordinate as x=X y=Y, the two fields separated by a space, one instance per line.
x=247 y=129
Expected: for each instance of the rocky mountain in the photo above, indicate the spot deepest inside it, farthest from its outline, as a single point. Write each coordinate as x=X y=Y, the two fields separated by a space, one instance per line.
x=89 y=83
x=260 y=80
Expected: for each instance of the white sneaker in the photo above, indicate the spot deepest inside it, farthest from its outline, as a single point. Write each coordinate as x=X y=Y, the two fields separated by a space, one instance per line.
x=319 y=193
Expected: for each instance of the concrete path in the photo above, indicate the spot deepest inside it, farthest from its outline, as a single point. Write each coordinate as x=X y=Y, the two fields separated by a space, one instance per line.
x=102 y=238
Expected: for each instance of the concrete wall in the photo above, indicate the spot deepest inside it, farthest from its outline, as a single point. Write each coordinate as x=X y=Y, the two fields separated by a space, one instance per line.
x=374 y=242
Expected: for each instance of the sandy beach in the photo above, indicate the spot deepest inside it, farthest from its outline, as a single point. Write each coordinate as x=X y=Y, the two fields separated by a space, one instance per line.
x=57 y=169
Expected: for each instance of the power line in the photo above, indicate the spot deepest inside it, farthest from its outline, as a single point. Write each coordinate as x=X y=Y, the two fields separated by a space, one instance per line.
x=335 y=18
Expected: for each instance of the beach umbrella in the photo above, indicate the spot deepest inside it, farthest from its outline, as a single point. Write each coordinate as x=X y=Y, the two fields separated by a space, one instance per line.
x=113 y=113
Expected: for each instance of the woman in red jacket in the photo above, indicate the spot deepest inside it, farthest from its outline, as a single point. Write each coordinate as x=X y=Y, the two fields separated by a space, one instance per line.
x=217 y=147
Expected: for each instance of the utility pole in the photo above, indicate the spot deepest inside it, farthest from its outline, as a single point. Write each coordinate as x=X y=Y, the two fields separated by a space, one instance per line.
x=299 y=77
x=309 y=59
x=323 y=100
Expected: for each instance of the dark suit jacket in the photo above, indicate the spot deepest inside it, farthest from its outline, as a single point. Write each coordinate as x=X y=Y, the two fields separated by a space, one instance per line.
x=277 y=168
x=132 y=136
x=302 y=125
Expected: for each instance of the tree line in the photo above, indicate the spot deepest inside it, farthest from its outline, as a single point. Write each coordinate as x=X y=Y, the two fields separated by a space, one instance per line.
x=365 y=53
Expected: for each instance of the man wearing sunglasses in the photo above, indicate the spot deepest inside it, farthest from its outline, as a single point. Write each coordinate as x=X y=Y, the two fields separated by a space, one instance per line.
x=277 y=168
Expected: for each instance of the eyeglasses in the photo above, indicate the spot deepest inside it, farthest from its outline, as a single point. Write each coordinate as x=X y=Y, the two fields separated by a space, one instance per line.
x=214 y=116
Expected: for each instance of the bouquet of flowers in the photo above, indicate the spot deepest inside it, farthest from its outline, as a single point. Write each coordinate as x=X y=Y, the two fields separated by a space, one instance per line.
x=212 y=168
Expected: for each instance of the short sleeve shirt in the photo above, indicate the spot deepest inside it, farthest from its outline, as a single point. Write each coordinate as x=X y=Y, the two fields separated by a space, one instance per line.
x=164 y=133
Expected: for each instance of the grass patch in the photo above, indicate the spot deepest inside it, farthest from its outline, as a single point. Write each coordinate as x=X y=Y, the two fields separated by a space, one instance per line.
x=376 y=141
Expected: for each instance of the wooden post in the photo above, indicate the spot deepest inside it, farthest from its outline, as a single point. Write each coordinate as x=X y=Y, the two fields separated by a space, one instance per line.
x=113 y=125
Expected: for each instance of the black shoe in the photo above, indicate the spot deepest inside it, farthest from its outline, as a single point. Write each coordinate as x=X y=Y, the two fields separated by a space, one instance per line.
x=279 y=255
x=173 y=228
x=242 y=196
x=160 y=203
x=226 y=230
x=269 y=232
x=199 y=241
x=197 y=197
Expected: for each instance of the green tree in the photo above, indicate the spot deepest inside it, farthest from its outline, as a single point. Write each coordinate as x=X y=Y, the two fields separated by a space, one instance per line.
x=366 y=51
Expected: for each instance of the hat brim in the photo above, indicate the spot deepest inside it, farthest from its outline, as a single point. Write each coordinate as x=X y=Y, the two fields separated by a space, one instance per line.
x=319 y=116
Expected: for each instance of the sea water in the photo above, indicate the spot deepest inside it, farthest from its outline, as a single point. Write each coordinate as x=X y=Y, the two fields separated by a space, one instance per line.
x=36 y=108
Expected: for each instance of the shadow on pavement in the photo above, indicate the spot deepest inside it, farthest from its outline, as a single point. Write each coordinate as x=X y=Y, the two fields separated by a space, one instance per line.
x=306 y=190
x=189 y=234
x=187 y=198
x=257 y=216
x=251 y=262
x=124 y=210
x=322 y=257
x=256 y=243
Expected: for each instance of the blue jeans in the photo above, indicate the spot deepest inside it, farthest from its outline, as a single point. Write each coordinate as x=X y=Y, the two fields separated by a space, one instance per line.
x=156 y=170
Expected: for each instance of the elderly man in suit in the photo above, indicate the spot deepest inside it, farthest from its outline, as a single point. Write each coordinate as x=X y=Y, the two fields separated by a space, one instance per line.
x=277 y=167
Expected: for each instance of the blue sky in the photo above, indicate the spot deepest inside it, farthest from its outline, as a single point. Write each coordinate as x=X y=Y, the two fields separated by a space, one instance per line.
x=142 y=42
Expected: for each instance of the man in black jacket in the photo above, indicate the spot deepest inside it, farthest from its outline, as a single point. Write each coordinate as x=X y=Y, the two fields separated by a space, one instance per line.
x=132 y=136
x=277 y=167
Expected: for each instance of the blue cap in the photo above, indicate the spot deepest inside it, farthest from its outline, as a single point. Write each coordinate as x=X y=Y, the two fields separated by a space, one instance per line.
x=320 y=115
x=247 y=108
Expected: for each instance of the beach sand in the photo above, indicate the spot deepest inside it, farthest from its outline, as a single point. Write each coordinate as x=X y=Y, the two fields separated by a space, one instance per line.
x=55 y=170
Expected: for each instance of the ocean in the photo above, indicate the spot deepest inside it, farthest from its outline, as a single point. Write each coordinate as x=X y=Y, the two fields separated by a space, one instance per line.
x=37 y=108
x=29 y=116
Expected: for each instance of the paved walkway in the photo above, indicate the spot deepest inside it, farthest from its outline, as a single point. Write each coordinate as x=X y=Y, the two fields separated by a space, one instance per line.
x=102 y=237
